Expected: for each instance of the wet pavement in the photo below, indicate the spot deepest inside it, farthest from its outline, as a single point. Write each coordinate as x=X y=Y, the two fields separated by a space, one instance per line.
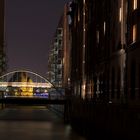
x=30 y=123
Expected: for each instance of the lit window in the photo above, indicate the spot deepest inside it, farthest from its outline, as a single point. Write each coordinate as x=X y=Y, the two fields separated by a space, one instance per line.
x=84 y=1
x=120 y=15
x=135 y=4
x=97 y=35
x=60 y=42
x=83 y=90
x=59 y=31
x=134 y=32
x=78 y=15
x=104 y=27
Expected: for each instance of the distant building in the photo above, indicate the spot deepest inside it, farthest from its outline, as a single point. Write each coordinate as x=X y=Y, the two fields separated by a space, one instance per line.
x=59 y=62
x=100 y=50
x=56 y=57
x=21 y=91
x=2 y=47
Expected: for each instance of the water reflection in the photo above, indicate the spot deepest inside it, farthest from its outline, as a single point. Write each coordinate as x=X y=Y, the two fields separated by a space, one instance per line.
x=34 y=124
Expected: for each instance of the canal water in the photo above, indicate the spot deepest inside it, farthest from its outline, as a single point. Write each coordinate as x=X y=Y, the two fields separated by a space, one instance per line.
x=34 y=123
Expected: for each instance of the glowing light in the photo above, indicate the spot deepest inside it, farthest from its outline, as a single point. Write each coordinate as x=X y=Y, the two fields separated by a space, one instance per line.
x=104 y=27
x=134 y=32
x=110 y=102
x=120 y=15
x=84 y=87
x=84 y=1
x=135 y=4
x=83 y=90
x=24 y=84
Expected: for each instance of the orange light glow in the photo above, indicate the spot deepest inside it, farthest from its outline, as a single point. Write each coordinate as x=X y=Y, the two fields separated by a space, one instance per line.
x=135 y=4
x=134 y=32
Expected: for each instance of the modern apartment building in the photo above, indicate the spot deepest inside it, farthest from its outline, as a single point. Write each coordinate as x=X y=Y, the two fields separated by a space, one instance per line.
x=56 y=57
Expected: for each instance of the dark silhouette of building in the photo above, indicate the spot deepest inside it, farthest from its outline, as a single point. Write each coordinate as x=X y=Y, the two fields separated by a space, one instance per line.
x=105 y=66
x=98 y=49
x=66 y=49
x=2 y=47
x=133 y=49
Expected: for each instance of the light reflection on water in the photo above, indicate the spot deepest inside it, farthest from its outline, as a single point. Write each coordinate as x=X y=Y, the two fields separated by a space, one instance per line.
x=34 y=124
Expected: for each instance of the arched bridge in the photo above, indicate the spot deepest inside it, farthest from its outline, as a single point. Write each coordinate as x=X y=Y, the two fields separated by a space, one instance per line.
x=23 y=86
x=24 y=78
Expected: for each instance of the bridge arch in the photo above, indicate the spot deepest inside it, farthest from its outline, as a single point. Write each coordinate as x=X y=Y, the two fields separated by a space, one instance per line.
x=26 y=71
x=5 y=80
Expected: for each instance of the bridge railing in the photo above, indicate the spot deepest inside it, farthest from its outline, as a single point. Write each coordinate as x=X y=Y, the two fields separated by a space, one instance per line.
x=25 y=84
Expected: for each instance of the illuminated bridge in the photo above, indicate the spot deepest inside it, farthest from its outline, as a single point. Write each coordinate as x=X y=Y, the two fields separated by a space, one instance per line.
x=24 y=78
x=24 y=87
x=30 y=86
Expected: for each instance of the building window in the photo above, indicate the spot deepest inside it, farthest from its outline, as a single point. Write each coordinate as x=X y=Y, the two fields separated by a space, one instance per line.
x=135 y=2
x=59 y=71
x=134 y=33
x=98 y=36
x=84 y=1
x=120 y=14
x=55 y=40
x=104 y=27
x=59 y=61
x=59 y=53
x=59 y=31
x=55 y=48
x=78 y=15
x=60 y=42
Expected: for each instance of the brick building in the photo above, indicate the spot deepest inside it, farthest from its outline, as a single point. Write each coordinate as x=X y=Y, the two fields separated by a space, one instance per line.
x=99 y=49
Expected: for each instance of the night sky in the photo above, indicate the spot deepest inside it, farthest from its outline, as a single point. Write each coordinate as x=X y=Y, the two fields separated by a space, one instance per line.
x=29 y=29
